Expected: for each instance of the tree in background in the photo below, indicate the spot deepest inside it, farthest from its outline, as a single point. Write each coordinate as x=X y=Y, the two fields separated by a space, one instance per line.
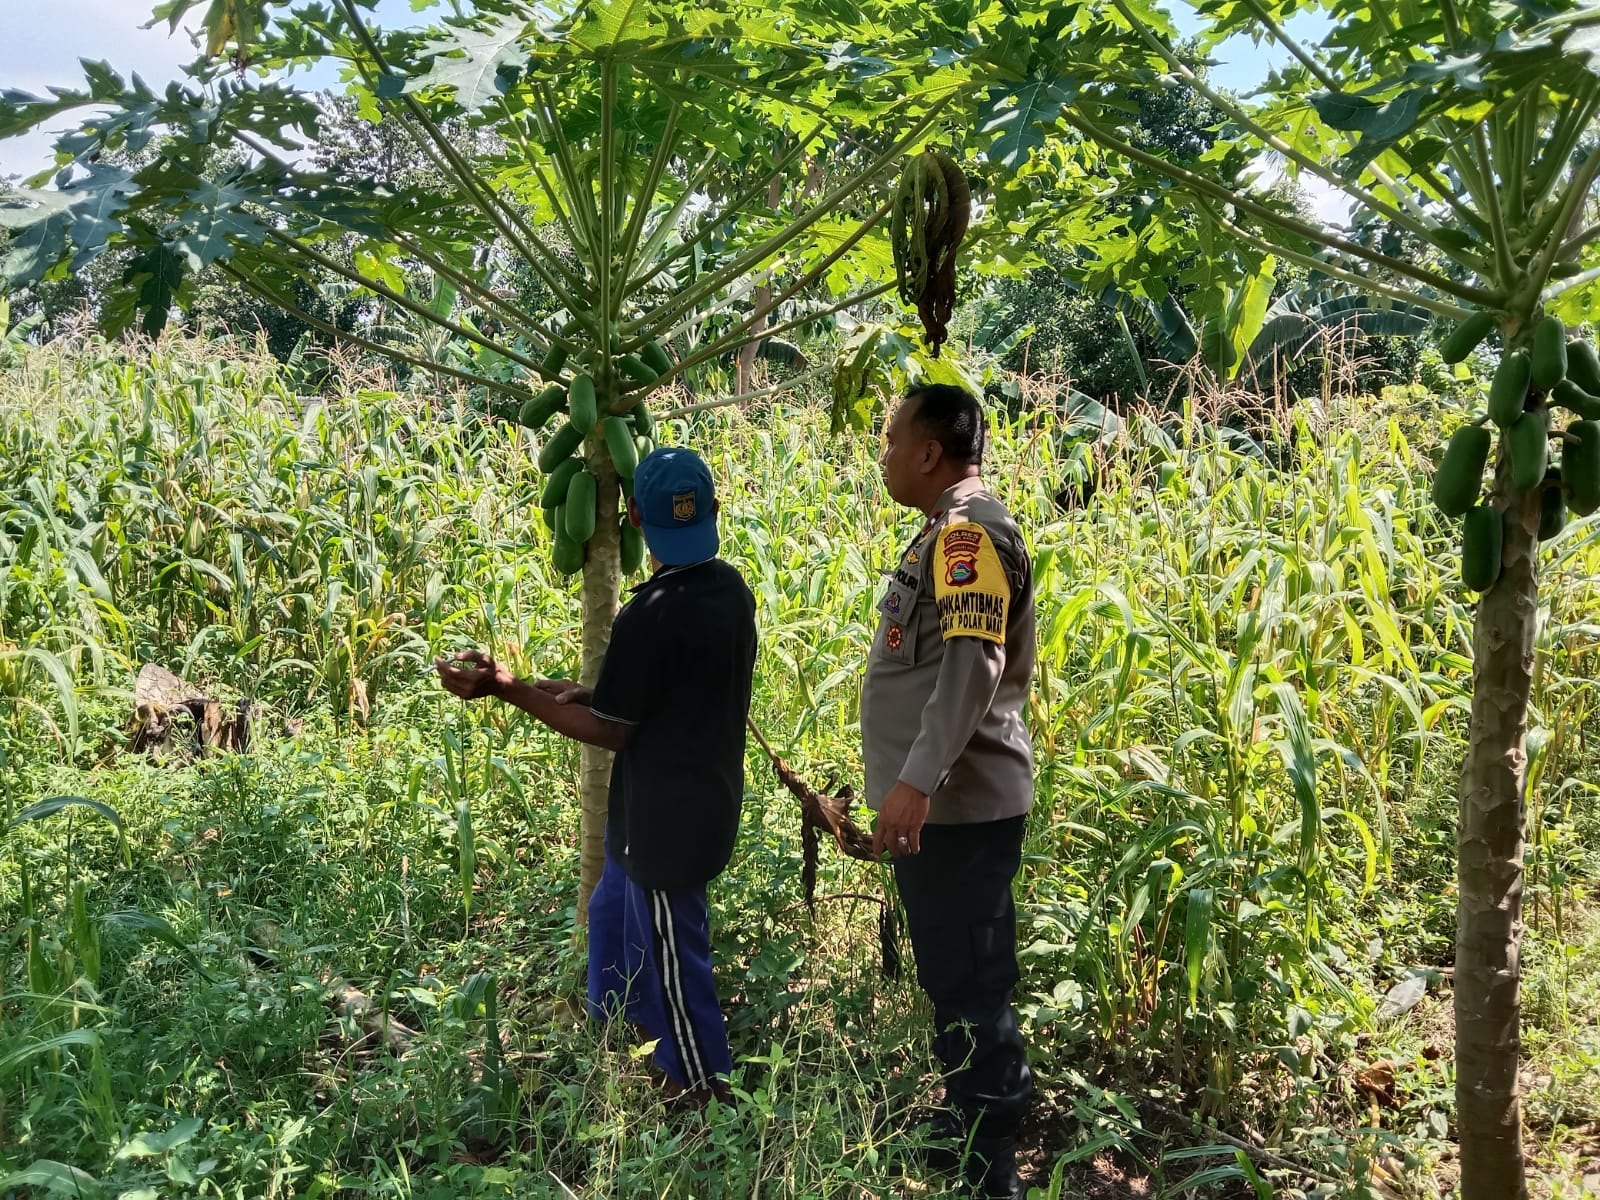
x=1086 y=334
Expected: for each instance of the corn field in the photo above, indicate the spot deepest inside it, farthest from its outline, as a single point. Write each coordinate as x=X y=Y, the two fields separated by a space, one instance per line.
x=1249 y=713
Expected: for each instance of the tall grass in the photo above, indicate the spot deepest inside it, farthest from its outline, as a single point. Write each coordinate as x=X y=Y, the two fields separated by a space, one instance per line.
x=1249 y=711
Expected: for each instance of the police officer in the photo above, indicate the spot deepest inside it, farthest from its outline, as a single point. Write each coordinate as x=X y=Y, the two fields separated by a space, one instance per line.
x=671 y=700
x=949 y=764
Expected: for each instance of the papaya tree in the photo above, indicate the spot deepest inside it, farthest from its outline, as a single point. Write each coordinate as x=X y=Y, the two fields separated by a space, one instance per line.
x=1465 y=130
x=674 y=178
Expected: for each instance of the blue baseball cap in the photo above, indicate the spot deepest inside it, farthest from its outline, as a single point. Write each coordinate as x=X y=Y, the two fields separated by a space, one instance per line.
x=677 y=506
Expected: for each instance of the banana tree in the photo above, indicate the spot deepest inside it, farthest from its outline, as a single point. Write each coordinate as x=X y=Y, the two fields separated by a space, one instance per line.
x=1468 y=127
x=674 y=174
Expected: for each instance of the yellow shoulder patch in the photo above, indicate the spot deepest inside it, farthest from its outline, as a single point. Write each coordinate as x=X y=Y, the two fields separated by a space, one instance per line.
x=970 y=588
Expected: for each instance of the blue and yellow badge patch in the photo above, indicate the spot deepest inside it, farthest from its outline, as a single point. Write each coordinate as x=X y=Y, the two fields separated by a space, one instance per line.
x=971 y=591
x=683 y=506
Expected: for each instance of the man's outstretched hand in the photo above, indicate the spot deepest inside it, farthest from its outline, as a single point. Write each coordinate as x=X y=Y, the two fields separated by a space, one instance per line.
x=472 y=674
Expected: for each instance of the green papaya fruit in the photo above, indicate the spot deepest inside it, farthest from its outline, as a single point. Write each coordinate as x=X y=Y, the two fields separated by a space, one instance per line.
x=581 y=405
x=1467 y=336
x=538 y=409
x=1549 y=362
x=558 y=481
x=632 y=547
x=549 y=514
x=656 y=357
x=1529 y=443
x=566 y=555
x=1580 y=466
x=1570 y=396
x=619 y=441
x=563 y=442
x=1482 y=534
x=1583 y=366
x=554 y=359
x=1552 y=508
x=1459 y=479
x=643 y=423
x=644 y=446
x=636 y=369
x=1509 y=391
x=579 y=508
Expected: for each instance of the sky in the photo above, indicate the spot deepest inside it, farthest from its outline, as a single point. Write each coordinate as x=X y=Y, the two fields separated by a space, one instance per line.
x=44 y=39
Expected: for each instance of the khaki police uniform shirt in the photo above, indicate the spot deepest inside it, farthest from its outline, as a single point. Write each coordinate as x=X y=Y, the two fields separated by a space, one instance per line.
x=951 y=664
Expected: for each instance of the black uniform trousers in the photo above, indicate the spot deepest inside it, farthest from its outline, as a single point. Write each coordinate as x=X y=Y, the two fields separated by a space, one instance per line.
x=963 y=927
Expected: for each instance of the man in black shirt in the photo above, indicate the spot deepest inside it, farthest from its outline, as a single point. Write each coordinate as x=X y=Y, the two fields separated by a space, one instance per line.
x=671 y=700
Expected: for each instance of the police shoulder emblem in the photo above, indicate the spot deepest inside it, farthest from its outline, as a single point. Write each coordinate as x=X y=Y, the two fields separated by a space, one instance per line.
x=894 y=637
x=971 y=593
x=683 y=506
x=961 y=546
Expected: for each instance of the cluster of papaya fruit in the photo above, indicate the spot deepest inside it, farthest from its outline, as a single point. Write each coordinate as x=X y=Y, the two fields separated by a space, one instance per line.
x=1553 y=372
x=570 y=497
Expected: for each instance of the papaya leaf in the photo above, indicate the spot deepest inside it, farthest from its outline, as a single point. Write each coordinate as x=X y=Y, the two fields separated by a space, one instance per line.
x=219 y=214
x=100 y=198
x=21 y=111
x=152 y=283
x=1019 y=116
x=611 y=24
x=83 y=211
x=489 y=59
x=34 y=251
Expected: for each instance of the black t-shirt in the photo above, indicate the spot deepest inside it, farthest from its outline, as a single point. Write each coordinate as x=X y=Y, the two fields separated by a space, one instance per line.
x=679 y=667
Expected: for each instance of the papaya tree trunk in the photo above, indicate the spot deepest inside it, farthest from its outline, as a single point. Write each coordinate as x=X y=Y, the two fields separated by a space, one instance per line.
x=1489 y=846
x=602 y=581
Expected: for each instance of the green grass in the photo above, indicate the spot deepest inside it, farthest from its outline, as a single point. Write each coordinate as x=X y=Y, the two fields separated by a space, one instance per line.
x=1249 y=713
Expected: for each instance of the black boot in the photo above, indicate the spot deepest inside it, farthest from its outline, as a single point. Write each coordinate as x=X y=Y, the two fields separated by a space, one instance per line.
x=938 y=1137
x=992 y=1169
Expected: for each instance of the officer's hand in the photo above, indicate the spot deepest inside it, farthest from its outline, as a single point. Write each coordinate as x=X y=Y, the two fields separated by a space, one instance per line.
x=899 y=827
x=473 y=674
x=566 y=691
